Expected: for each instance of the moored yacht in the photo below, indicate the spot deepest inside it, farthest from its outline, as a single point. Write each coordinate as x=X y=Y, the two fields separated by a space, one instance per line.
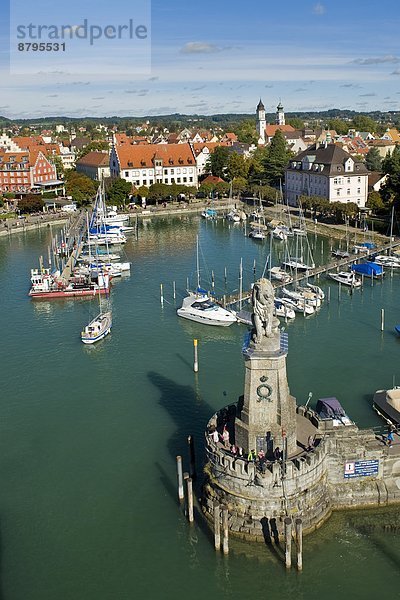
x=200 y=308
x=346 y=278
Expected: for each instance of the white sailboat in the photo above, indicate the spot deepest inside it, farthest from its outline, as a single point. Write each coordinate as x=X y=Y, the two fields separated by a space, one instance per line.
x=346 y=278
x=199 y=307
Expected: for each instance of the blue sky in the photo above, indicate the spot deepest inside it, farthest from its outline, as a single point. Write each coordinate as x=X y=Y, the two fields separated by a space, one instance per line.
x=213 y=56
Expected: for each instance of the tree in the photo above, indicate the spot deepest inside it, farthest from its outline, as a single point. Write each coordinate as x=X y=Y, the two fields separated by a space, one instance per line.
x=56 y=160
x=80 y=187
x=96 y=146
x=218 y=161
x=118 y=192
x=295 y=122
x=239 y=184
x=277 y=158
x=31 y=203
x=391 y=166
x=237 y=166
x=373 y=160
x=246 y=132
x=341 y=127
x=142 y=192
x=375 y=202
x=158 y=191
x=364 y=123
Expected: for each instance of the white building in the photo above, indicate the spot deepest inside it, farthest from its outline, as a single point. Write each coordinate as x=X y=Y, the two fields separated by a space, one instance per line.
x=95 y=165
x=154 y=163
x=261 y=123
x=327 y=171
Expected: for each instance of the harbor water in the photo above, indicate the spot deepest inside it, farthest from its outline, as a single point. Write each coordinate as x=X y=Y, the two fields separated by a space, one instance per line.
x=89 y=434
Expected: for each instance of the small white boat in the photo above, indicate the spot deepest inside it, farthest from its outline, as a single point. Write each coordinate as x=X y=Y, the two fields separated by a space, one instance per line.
x=340 y=254
x=279 y=234
x=97 y=329
x=346 y=278
x=390 y=262
x=257 y=234
x=317 y=290
x=200 y=308
x=297 y=264
x=233 y=216
x=283 y=310
x=299 y=306
x=280 y=275
x=303 y=294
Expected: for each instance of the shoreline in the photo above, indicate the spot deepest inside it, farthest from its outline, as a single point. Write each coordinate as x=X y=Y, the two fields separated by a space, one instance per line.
x=333 y=231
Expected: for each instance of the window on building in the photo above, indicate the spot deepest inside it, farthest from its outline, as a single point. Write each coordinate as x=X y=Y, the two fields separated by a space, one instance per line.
x=358 y=190
x=348 y=192
x=178 y=180
x=358 y=179
x=190 y=179
x=348 y=180
x=338 y=193
x=144 y=181
x=185 y=180
x=126 y=173
x=137 y=181
x=165 y=171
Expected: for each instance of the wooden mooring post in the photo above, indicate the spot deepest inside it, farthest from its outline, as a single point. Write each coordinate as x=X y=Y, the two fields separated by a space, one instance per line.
x=288 y=542
x=196 y=357
x=179 y=470
x=225 y=530
x=382 y=319
x=217 y=526
x=299 y=543
x=190 y=500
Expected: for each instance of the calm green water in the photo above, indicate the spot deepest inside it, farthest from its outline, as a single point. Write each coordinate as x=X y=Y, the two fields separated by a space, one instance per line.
x=89 y=435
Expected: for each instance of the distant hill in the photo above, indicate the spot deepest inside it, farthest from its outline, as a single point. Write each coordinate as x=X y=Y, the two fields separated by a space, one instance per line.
x=183 y=120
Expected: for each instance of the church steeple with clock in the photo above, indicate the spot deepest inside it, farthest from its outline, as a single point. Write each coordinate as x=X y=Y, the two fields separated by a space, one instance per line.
x=261 y=122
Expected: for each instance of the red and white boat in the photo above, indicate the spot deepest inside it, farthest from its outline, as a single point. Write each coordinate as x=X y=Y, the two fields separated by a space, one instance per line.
x=48 y=285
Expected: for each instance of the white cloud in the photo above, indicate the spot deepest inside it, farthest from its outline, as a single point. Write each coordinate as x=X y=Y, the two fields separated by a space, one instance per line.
x=199 y=48
x=377 y=60
x=319 y=9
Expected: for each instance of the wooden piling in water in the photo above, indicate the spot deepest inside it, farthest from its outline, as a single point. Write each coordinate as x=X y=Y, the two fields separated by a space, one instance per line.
x=192 y=457
x=288 y=542
x=382 y=319
x=217 y=526
x=190 y=500
x=174 y=290
x=196 y=357
x=181 y=492
x=161 y=294
x=299 y=543
x=225 y=530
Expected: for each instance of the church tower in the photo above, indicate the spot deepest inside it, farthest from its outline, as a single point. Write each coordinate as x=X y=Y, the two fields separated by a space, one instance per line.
x=261 y=122
x=280 y=115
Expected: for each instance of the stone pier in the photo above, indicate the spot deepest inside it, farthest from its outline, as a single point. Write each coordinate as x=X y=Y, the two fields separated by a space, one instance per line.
x=305 y=465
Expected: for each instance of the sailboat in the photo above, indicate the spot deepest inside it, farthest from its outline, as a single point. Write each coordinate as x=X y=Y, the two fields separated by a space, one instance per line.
x=101 y=325
x=258 y=227
x=199 y=307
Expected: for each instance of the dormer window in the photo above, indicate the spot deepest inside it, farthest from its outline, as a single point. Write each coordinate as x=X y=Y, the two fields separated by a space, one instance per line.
x=130 y=163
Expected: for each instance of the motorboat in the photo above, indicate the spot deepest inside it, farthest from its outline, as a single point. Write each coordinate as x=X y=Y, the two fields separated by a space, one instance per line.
x=368 y=269
x=257 y=234
x=233 y=216
x=317 y=290
x=200 y=308
x=209 y=213
x=297 y=264
x=390 y=262
x=387 y=405
x=283 y=310
x=281 y=275
x=279 y=234
x=340 y=254
x=98 y=328
x=299 y=306
x=346 y=278
x=303 y=294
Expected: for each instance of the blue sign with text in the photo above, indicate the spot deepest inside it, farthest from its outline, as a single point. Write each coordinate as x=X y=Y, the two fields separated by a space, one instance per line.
x=361 y=468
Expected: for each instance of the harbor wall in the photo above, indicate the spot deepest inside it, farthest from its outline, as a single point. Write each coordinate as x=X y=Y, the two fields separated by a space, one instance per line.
x=309 y=486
